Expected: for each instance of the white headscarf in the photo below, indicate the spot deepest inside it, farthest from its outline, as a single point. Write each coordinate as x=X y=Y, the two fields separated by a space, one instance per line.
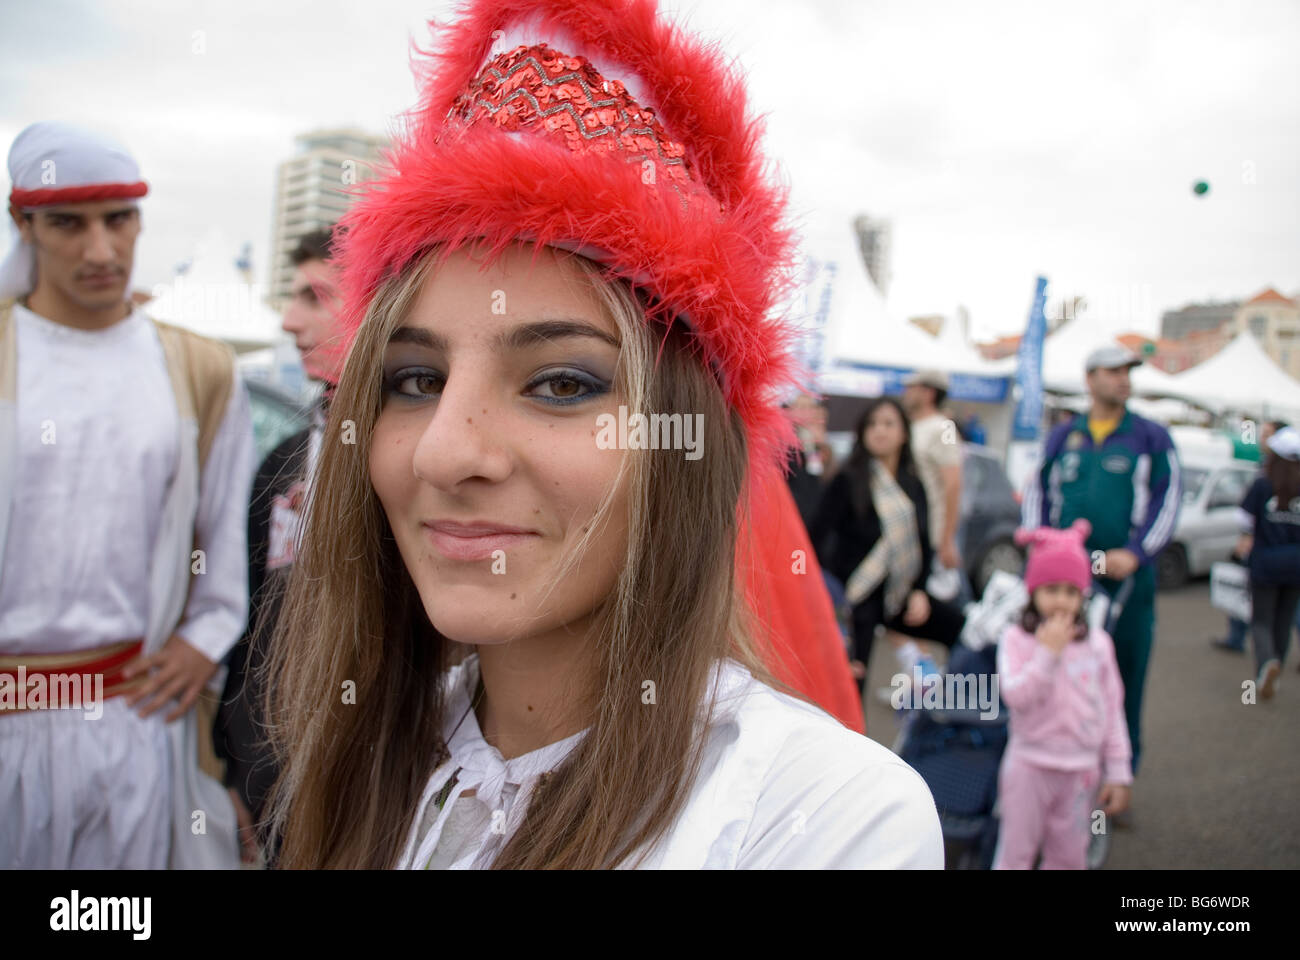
x=54 y=163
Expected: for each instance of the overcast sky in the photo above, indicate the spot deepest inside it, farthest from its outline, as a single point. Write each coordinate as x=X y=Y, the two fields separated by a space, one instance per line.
x=1003 y=139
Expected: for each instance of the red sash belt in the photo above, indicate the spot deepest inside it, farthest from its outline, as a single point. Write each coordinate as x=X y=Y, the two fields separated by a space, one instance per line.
x=59 y=672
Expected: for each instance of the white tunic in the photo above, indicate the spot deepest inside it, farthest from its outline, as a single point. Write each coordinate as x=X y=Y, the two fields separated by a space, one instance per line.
x=97 y=430
x=782 y=785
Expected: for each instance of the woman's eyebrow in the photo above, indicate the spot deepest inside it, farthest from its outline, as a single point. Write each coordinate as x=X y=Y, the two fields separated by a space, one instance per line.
x=418 y=336
x=526 y=335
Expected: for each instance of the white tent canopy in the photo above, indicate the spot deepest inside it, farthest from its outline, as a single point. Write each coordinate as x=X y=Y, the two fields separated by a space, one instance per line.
x=956 y=354
x=1066 y=349
x=851 y=325
x=1242 y=378
x=212 y=298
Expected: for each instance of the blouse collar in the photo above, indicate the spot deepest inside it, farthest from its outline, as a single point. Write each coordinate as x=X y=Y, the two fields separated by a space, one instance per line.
x=505 y=785
x=477 y=757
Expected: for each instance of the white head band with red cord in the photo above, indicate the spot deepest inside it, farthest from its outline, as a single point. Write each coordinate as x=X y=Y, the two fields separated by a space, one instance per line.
x=51 y=164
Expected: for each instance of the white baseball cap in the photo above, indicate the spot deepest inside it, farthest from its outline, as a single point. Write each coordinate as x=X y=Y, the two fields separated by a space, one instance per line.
x=1111 y=357
x=1286 y=443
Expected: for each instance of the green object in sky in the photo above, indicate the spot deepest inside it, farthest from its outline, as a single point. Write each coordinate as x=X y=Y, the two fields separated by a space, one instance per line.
x=1200 y=188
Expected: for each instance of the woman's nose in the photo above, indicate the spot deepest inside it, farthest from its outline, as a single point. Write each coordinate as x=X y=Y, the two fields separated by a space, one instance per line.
x=463 y=439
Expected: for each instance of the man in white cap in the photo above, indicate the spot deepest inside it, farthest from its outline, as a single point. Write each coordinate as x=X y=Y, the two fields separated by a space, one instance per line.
x=126 y=456
x=1120 y=472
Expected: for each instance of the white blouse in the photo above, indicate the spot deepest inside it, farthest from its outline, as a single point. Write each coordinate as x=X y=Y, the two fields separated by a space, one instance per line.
x=782 y=785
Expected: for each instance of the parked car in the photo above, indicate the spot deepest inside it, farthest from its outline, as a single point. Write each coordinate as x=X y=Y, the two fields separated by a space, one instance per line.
x=990 y=514
x=1207 y=526
x=276 y=417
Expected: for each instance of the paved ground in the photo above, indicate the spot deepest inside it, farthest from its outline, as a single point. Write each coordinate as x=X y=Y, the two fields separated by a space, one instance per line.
x=1220 y=780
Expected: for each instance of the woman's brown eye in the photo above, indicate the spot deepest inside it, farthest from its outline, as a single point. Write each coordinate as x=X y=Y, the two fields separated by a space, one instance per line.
x=416 y=384
x=565 y=386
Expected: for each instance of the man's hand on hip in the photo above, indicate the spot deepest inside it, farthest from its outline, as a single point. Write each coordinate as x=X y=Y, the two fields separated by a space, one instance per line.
x=176 y=672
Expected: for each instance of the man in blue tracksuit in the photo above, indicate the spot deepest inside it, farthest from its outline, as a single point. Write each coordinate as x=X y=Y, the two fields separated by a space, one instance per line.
x=1120 y=472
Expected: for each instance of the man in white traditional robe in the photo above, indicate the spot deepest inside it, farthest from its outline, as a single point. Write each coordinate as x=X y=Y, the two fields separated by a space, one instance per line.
x=126 y=455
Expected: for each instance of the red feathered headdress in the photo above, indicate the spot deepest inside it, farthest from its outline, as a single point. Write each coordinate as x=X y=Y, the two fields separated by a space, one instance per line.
x=596 y=127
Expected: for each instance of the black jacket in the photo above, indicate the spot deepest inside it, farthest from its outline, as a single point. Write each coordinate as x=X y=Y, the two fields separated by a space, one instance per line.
x=238 y=735
x=805 y=487
x=1275 y=550
x=846 y=526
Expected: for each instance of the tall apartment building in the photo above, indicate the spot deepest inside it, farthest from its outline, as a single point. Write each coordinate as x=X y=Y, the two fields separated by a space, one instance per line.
x=313 y=191
x=1198 y=331
x=1183 y=353
x=874 y=241
x=1274 y=320
x=1196 y=318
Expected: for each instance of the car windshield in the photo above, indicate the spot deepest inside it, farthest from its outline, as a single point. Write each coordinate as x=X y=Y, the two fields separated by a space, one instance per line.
x=1193 y=480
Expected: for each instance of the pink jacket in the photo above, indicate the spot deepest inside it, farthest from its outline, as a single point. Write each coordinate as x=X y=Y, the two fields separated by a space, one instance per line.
x=1067 y=709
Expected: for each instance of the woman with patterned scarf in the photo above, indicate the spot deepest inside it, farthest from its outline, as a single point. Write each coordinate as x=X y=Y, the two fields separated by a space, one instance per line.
x=869 y=532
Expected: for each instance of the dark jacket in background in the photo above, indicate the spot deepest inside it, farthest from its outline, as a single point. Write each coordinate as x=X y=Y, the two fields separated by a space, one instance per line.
x=238 y=735
x=845 y=526
x=805 y=487
x=1275 y=551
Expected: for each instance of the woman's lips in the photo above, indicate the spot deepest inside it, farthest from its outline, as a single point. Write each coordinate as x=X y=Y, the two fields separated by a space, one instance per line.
x=461 y=542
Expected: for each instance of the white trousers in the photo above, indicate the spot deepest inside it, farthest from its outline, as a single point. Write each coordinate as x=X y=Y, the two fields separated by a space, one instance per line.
x=83 y=793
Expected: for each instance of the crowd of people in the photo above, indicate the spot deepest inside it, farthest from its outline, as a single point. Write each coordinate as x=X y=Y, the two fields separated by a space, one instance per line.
x=1111 y=477
x=457 y=631
x=450 y=630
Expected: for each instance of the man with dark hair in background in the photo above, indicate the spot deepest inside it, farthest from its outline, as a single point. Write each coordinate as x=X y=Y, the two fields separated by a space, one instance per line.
x=275 y=515
x=810 y=464
x=1120 y=472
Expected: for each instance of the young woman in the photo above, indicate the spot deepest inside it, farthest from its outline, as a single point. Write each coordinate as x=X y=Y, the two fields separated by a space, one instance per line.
x=870 y=532
x=512 y=636
x=1270 y=518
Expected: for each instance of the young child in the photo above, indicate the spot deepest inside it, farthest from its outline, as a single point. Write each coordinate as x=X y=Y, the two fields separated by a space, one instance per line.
x=1060 y=681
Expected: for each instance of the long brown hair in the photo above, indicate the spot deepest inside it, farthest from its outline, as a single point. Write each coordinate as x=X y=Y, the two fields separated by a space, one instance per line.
x=1284 y=477
x=353 y=773
x=857 y=466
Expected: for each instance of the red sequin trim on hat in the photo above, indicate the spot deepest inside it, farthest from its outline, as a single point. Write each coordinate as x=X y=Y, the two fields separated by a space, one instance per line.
x=537 y=88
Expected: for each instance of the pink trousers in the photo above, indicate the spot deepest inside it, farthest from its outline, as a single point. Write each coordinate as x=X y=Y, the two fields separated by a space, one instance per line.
x=1044 y=810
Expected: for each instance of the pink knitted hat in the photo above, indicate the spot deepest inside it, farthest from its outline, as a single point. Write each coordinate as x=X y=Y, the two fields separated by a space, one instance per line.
x=1057 y=556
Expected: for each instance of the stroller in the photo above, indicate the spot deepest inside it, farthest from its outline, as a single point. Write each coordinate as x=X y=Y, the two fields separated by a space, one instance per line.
x=958 y=752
